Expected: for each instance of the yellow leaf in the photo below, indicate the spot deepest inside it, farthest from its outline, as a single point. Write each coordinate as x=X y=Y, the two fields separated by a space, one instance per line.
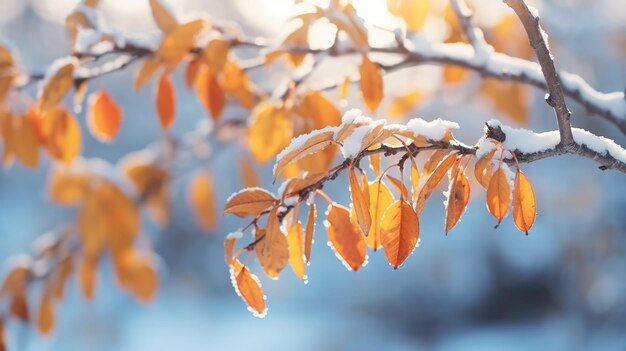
x=166 y=102
x=152 y=184
x=399 y=186
x=413 y=12
x=524 y=206
x=344 y=237
x=415 y=180
x=179 y=41
x=202 y=200
x=163 y=18
x=269 y=131
x=457 y=199
x=360 y=201
x=380 y=198
x=273 y=251
x=319 y=111
x=434 y=160
x=295 y=240
x=24 y=142
x=371 y=84
x=454 y=74
x=310 y=231
x=399 y=232
x=248 y=174
x=191 y=73
x=404 y=104
x=216 y=53
x=249 y=202
x=433 y=181
x=499 y=195
x=483 y=169
x=511 y=99
x=104 y=117
x=62 y=133
x=57 y=86
x=149 y=67
x=247 y=286
x=375 y=163
x=67 y=187
x=344 y=88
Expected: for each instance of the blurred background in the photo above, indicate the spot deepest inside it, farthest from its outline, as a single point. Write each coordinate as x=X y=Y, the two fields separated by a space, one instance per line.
x=561 y=288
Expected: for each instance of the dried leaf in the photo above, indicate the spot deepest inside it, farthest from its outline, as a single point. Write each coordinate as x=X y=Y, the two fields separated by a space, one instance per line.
x=524 y=206
x=433 y=181
x=310 y=231
x=344 y=237
x=315 y=143
x=166 y=102
x=273 y=251
x=249 y=202
x=104 y=117
x=457 y=199
x=499 y=195
x=371 y=84
x=360 y=201
x=202 y=200
x=247 y=286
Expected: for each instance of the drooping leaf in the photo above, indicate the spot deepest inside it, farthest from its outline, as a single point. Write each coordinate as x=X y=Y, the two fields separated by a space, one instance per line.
x=273 y=251
x=166 y=102
x=295 y=239
x=415 y=180
x=202 y=200
x=24 y=142
x=360 y=201
x=457 y=199
x=67 y=187
x=310 y=231
x=399 y=186
x=434 y=160
x=483 y=169
x=524 y=206
x=210 y=92
x=216 y=54
x=87 y=275
x=179 y=41
x=499 y=195
x=433 y=181
x=149 y=67
x=371 y=84
x=163 y=18
x=247 y=286
x=375 y=163
x=104 y=117
x=344 y=88
x=249 y=202
x=229 y=246
x=344 y=237
x=248 y=174
x=63 y=134
x=191 y=72
x=399 y=232
x=45 y=317
x=57 y=86
x=380 y=198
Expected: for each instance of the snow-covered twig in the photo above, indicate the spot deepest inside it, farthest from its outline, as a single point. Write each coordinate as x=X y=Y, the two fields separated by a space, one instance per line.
x=473 y=34
x=538 y=41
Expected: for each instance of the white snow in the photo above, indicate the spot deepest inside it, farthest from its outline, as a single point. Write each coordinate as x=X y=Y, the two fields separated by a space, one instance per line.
x=355 y=116
x=527 y=141
x=234 y=235
x=431 y=130
x=352 y=144
x=614 y=102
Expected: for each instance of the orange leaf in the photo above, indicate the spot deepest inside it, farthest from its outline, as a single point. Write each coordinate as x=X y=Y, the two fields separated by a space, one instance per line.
x=229 y=246
x=380 y=198
x=404 y=104
x=63 y=134
x=360 y=201
x=415 y=180
x=191 y=73
x=344 y=88
x=433 y=181
x=273 y=251
x=375 y=163
x=499 y=195
x=344 y=237
x=434 y=160
x=179 y=41
x=216 y=53
x=202 y=200
x=296 y=245
x=483 y=169
x=399 y=232
x=45 y=318
x=87 y=277
x=457 y=199
x=318 y=110
x=524 y=207
x=313 y=143
x=67 y=187
x=247 y=286
x=371 y=84
x=310 y=231
x=269 y=131
x=166 y=102
x=249 y=202
x=211 y=93
x=19 y=306
x=399 y=186
x=413 y=12
x=104 y=117
x=24 y=142
x=248 y=174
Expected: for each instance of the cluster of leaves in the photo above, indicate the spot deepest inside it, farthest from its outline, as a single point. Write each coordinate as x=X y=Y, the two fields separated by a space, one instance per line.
x=376 y=217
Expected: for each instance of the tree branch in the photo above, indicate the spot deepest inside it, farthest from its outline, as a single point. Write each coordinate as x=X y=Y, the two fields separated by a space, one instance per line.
x=537 y=38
